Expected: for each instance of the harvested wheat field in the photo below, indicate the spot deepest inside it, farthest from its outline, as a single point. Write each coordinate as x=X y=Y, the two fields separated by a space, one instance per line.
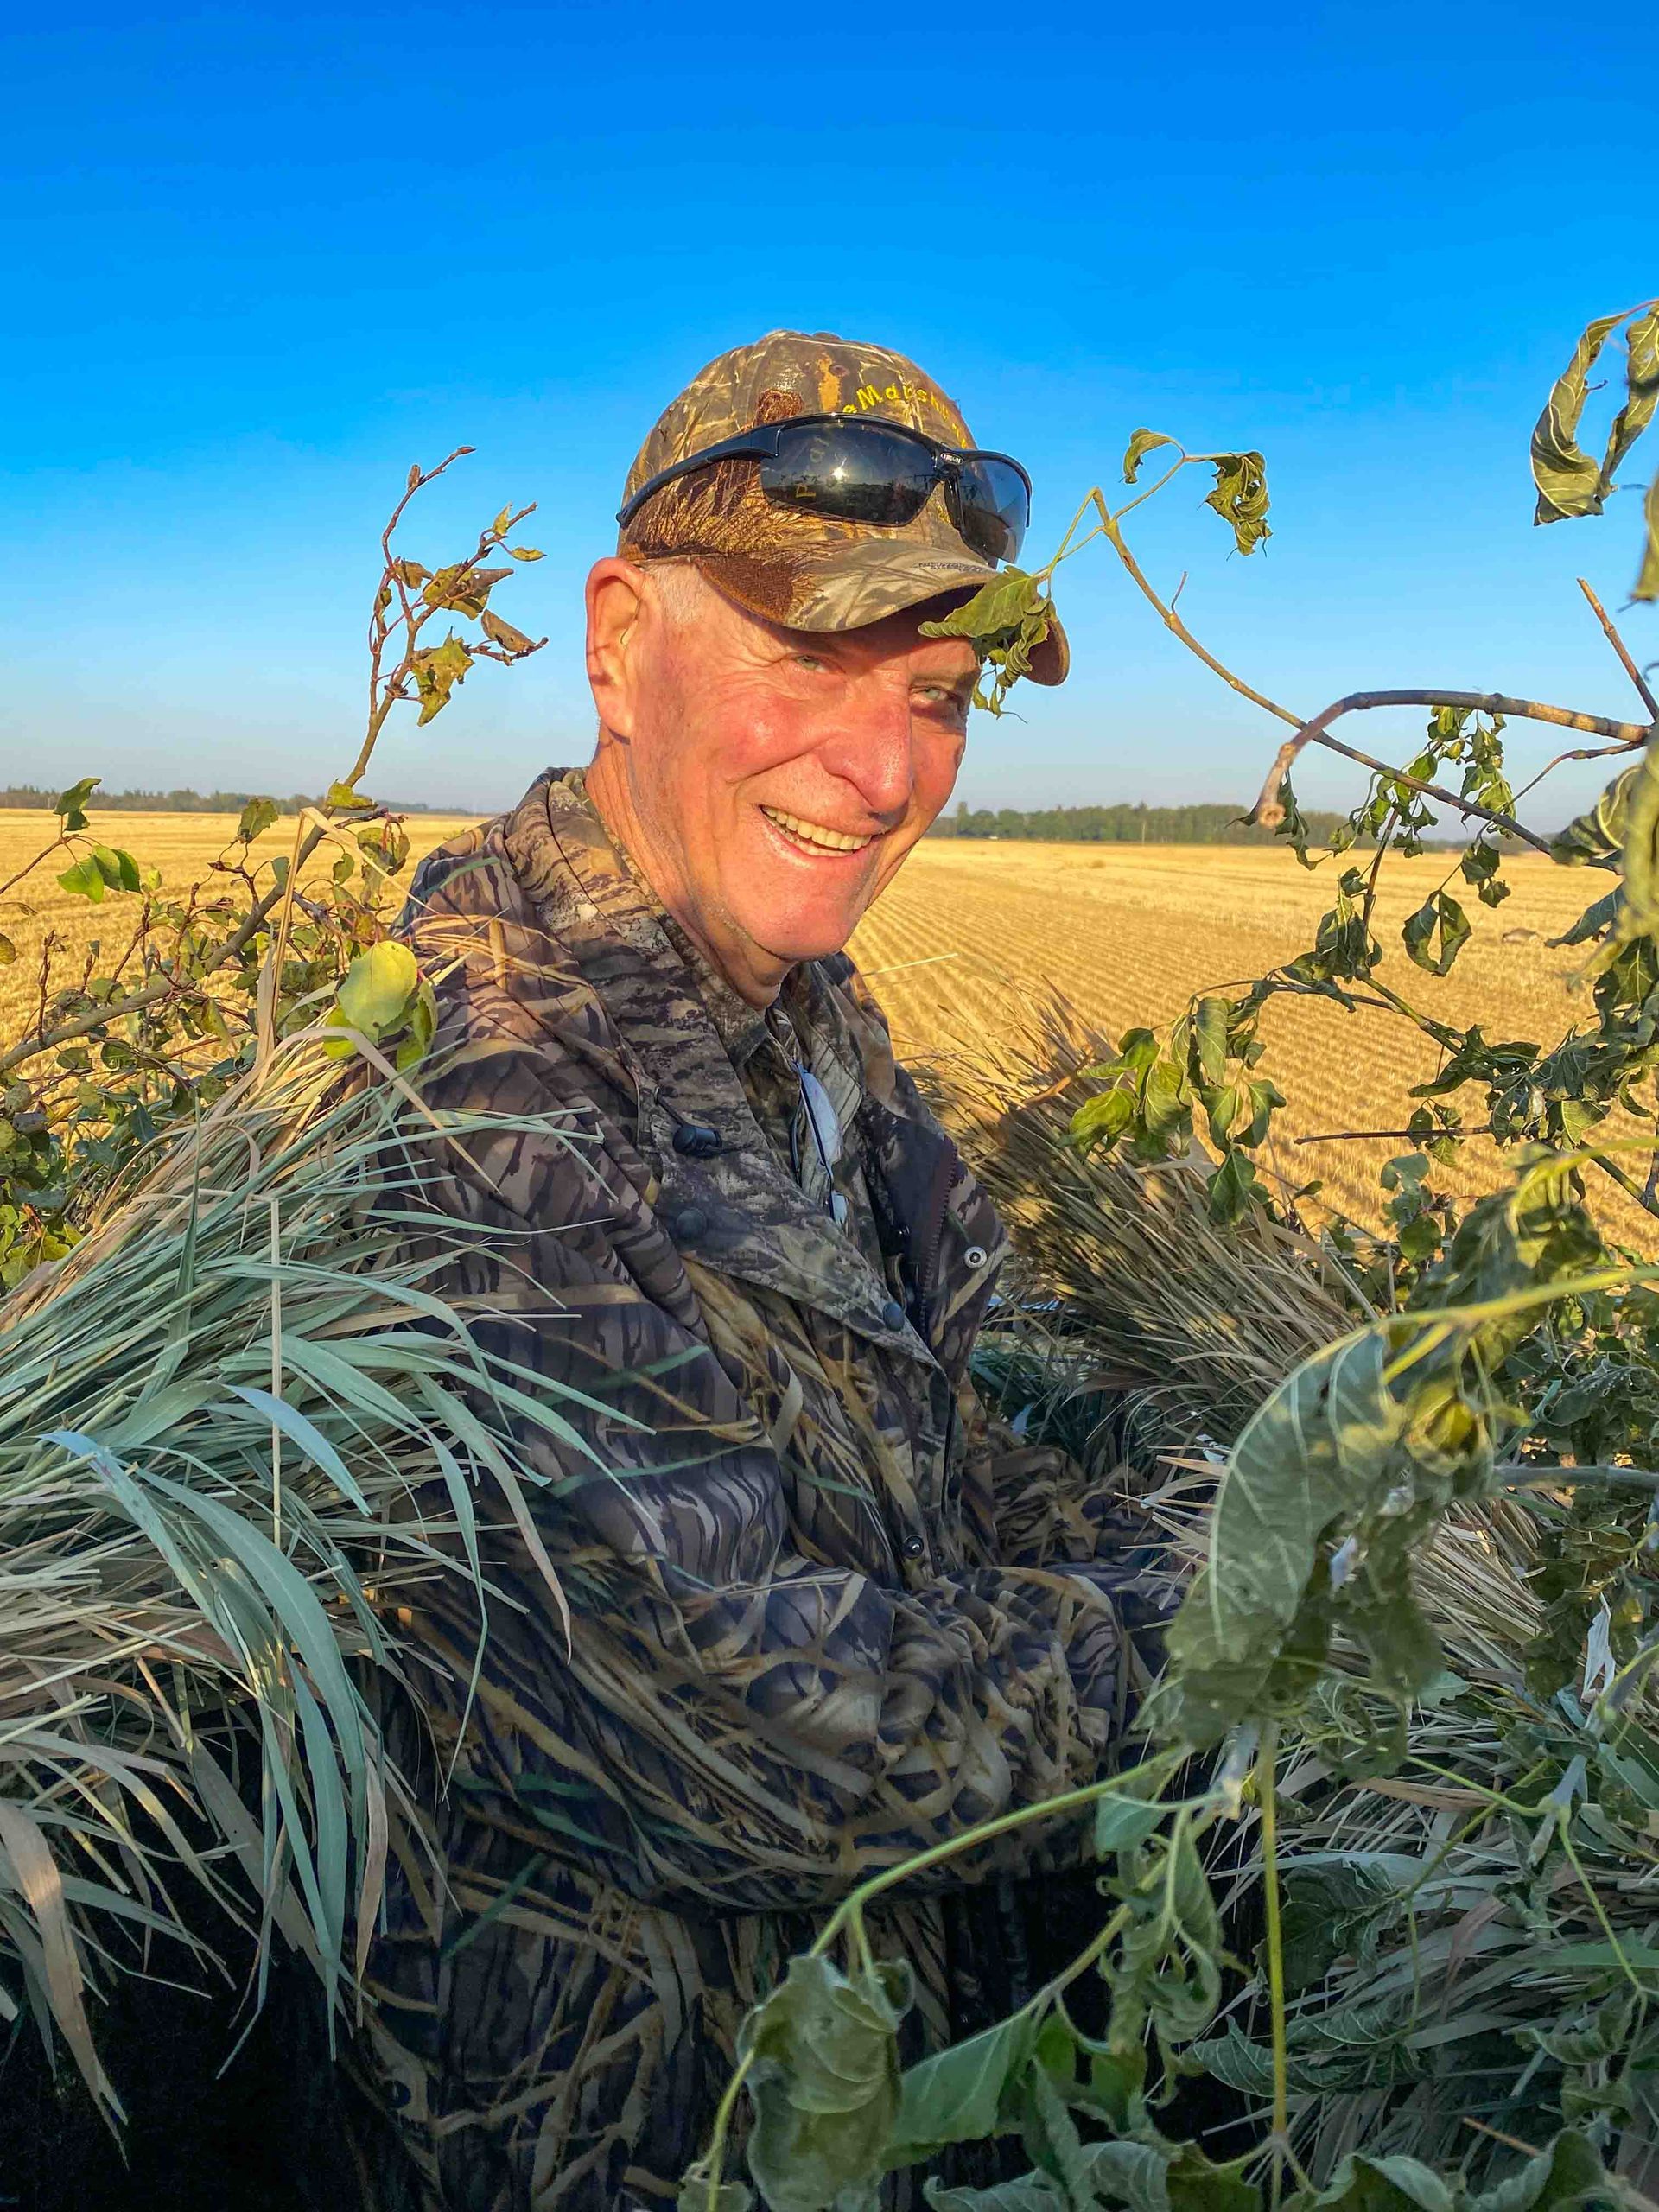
x=183 y=846
x=972 y=932
x=1129 y=932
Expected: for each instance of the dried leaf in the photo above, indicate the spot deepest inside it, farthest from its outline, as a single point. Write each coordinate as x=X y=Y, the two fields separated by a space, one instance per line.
x=1240 y=497
x=1142 y=443
x=1641 y=393
x=1646 y=586
x=503 y=634
x=436 y=670
x=1569 y=482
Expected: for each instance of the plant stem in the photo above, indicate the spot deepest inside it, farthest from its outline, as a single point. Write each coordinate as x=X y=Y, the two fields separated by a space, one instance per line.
x=1172 y=621
x=1619 y=646
x=1266 y=1769
x=1268 y=812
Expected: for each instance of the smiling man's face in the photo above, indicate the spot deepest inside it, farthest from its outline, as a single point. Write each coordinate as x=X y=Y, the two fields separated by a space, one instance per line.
x=768 y=783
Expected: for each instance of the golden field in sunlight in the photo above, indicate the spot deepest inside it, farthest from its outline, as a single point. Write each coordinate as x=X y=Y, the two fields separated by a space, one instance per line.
x=1129 y=932
x=972 y=932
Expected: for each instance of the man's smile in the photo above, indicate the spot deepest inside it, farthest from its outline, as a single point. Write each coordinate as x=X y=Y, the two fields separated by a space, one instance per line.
x=817 y=836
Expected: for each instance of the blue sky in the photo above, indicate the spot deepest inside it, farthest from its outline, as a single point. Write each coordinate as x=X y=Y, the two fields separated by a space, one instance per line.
x=258 y=261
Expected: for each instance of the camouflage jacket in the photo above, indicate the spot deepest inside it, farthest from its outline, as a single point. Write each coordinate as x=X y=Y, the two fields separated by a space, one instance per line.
x=819 y=1621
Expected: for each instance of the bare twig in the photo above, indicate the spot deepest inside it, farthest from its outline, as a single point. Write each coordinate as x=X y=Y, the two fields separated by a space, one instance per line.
x=1269 y=813
x=1619 y=646
x=1172 y=621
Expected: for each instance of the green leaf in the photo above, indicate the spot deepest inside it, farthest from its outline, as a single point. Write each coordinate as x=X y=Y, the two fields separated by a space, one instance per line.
x=1595 y=838
x=1140 y=444
x=342 y=796
x=1051 y=2139
x=1646 y=586
x=84 y=880
x=525 y=553
x=995 y=608
x=1310 y=1461
x=1028 y=2193
x=1168 y=2178
x=1638 y=912
x=1231 y=1188
x=1129 y=1816
x=119 y=870
x=255 y=819
x=1436 y=933
x=731 y=2196
x=958 y=2096
x=1569 y=482
x=1564 y=2173
x=1337 y=1902
x=1367 y=2185
x=1210 y=1037
x=1104 y=1116
x=824 y=2081
x=72 y=803
x=7 y=950
x=1165 y=1106
x=377 y=988
x=1240 y=497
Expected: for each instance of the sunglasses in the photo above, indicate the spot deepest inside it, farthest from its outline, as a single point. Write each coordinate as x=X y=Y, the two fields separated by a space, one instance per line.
x=854 y=468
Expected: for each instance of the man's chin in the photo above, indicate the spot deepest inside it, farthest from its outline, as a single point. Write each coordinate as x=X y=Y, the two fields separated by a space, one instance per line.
x=809 y=941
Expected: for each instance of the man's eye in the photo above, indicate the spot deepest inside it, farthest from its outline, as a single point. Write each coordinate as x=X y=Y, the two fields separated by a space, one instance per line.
x=942 y=695
x=809 y=660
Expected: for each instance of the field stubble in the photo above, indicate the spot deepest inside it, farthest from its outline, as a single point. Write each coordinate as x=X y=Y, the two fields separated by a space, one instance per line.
x=971 y=936
x=970 y=933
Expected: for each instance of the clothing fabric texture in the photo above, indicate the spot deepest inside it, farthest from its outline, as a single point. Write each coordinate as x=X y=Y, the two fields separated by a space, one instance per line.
x=823 y=1614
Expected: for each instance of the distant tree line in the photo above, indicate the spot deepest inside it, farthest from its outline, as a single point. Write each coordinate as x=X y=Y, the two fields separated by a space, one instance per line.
x=1202 y=823
x=184 y=801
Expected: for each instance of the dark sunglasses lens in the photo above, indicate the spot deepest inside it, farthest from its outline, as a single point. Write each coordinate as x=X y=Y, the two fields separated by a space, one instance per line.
x=996 y=508
x=853 y=475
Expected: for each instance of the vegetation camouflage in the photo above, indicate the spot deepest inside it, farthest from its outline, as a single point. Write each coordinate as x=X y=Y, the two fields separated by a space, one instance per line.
x=821 y=1616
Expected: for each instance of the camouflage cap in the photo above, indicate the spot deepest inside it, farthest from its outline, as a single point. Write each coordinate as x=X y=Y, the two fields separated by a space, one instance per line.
x=804 y=571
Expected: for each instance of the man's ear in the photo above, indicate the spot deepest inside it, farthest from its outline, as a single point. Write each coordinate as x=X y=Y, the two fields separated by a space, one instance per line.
x=615 y=597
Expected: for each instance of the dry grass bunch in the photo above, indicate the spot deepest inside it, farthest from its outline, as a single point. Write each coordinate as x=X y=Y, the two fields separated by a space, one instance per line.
x=237 y=1425
x=1193 y=1322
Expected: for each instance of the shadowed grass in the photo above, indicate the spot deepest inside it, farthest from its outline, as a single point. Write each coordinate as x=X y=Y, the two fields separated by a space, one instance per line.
x=236 y=1427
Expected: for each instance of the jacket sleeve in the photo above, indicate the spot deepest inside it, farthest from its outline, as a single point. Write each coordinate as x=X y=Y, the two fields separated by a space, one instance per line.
x=726 y=1723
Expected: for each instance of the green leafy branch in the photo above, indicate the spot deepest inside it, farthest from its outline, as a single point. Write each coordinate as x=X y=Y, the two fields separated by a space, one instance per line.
x=204 y=979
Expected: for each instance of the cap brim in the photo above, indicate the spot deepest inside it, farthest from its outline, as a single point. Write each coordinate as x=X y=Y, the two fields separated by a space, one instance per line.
x=849 y=583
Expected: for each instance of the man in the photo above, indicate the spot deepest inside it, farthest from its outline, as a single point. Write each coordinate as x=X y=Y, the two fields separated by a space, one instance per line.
x=818 y=1620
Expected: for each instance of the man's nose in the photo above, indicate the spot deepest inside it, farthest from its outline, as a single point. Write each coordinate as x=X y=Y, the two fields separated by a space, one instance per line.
x=872 y=749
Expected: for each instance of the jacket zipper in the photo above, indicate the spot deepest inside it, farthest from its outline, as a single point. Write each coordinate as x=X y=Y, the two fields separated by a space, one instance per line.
x=924 y=1280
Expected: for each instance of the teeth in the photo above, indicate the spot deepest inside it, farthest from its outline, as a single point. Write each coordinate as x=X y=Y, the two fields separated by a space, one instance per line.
x=815 y=833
